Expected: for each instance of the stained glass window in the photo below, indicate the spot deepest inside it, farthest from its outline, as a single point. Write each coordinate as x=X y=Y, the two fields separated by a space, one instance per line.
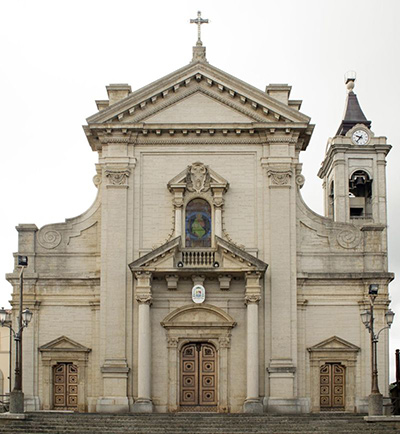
x=198 y=223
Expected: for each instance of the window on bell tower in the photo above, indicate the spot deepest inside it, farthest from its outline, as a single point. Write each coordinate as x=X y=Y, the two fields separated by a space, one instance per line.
x=198 y=223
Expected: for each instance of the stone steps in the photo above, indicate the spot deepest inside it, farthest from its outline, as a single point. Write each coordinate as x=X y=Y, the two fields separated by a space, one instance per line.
x=73 y=423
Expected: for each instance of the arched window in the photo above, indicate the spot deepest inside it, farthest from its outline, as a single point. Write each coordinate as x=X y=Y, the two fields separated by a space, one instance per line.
x=198 y=223
x=360 y=195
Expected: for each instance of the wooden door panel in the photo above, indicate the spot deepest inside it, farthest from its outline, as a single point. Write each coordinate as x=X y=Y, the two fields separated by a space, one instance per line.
x=65 y=386
x=332 y=387
x=198 y=375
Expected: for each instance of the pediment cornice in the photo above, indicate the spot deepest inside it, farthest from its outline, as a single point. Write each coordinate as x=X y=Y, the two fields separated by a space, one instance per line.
x=233 y=260
x=64 y=344
x=194 y=78
x=334 y=344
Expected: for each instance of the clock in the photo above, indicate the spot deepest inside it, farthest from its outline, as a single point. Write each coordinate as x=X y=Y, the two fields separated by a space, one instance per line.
x=360 y=137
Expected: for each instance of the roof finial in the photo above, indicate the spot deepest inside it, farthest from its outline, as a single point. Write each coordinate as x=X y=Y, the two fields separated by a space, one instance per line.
x=349 y=79
x=199 y=21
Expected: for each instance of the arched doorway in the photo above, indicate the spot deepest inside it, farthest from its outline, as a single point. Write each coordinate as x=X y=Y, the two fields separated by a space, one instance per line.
x=198 y=378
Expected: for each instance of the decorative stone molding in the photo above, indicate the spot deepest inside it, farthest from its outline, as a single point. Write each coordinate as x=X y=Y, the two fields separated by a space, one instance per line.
x=253 y=287
x=280 y=177
x=349 y=238
x=199 y=54
x=198 y=279
x=97 y=180
x=144 y=298
x=172 y=342
x=143 y=287
x=172 y=281
x=281 y=369
x=300 y=180
x=117 y=177
x=49 y=238
x=218 y=201
x=281 y=139
x=224 y=281
x=252 y=298
x=177 y=201
x=226 y=140
x=224 y=342
x=198 y=178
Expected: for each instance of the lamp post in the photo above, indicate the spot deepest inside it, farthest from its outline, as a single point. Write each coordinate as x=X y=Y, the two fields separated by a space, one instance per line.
x=24 y=318
x=375 y=399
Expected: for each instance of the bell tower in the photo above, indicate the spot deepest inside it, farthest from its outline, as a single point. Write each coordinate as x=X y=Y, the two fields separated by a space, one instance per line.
x=354 y=168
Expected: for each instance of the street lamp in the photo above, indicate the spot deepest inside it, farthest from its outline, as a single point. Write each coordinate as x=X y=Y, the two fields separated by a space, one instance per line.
x=375 y=399
x=24 y=318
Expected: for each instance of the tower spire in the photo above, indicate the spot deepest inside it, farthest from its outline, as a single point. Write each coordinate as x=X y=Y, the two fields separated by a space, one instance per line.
x=353 y=114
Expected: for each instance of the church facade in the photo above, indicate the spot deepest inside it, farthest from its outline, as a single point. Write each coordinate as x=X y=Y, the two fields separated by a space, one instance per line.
x=199 y=280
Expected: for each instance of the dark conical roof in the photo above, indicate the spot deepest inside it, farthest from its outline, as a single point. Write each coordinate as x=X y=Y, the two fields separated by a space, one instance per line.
x=353 y=115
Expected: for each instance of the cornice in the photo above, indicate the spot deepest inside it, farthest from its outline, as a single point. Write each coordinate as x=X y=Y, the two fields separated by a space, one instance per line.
x=196 y=73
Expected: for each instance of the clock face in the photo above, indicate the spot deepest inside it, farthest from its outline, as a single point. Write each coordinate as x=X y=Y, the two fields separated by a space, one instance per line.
x=360 y=137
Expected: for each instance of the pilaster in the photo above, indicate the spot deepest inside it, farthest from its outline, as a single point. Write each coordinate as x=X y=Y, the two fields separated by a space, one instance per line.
x=282 y=190
x=117 y=168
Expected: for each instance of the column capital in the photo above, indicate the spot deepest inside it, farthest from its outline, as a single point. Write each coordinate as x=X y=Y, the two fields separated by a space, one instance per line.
x=144 y=298
x=252 y=298
x=117 y=177
x=253 y=287
x=143 y=287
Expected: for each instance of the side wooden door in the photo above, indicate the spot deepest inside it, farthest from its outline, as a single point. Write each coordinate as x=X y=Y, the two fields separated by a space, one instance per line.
x=65 y=386
x=332 y=387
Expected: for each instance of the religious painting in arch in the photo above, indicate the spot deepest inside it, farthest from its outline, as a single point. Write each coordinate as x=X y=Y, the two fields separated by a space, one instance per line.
x=198 y=225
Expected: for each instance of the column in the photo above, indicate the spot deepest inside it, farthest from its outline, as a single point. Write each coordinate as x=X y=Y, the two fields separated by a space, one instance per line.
x=143 y=404
x=252 y=403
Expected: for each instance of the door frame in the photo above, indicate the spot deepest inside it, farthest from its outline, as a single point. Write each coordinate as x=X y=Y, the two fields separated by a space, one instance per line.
x=63 y=350
x=214 y=326
x=333 y=350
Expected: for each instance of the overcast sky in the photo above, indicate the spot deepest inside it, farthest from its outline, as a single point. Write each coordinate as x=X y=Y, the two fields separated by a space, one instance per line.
x=58 y=56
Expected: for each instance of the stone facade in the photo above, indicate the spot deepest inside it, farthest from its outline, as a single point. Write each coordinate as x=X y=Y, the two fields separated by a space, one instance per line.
x=116 y=327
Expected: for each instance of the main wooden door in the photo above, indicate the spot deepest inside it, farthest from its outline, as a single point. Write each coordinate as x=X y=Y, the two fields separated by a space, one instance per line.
x=332 y=387
x=198 y=379
x=65 y=386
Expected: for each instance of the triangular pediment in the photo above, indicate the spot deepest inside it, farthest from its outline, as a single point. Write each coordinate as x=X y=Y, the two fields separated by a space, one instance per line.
x=333 y=344
x=64 y=344
x=162 y=100
x=199 y=108
x=165 y=259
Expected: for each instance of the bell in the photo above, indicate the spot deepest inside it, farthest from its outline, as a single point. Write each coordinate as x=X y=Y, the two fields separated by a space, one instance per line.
x=360 y=180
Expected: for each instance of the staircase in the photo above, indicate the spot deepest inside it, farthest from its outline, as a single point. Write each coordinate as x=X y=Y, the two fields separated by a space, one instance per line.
x=193 y=423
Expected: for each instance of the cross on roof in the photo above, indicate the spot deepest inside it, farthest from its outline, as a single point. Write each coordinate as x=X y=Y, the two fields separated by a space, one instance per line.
x=199 y=21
